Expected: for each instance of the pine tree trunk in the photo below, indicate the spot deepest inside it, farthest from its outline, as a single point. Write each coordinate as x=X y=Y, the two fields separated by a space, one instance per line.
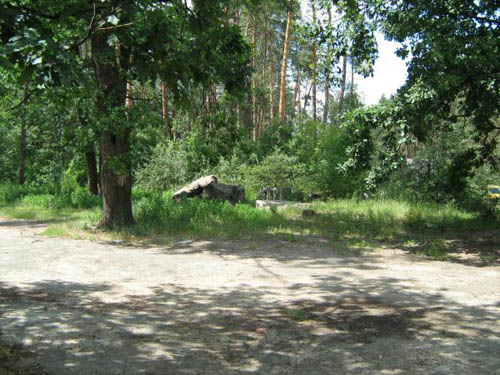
x=91 y=159
x=351 y=95
x=326 y=107
x=271 y=85
x=254 y=82
x=306 y=100
x=116 y=172
x=342 y=86
x=164 y=110
x=327 y=96
x=314 y=70
x=284 y=63
x=22 y=140
x=296 y=95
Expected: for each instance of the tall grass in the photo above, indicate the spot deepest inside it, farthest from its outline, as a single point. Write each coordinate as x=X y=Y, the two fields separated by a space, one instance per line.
x=158 y=213
x=161 y=218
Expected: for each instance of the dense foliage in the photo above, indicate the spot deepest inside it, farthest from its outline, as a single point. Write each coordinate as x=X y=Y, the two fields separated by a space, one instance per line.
x=97 y=96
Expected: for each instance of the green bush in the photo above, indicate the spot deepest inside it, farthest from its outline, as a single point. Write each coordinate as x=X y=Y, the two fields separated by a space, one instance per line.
x=167 y=169
x=46 y=201
x=149 y=209
x=9 y=193
x=230 y=171
x=277 y=171
x=82 y=198
x=475 y=195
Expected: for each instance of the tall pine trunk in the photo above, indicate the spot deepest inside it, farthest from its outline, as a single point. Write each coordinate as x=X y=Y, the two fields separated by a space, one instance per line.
x=314 y=69
x=351 y=95
x=284 y=63
x=116 y=171
x=296 y=95
x=271 y=84
x=255 y=122
x=326 y=107
x=342 y=86
x=22 y=140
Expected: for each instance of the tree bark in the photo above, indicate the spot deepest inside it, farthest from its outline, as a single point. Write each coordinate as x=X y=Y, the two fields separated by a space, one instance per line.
x=296 y=95
x=342 y=86
x=91 y=159
x=254 y=81
x=284 y=63
x=314 y=69
x=327 y=74
x=116 y=171
x=271 y=84
x=351 y=95
x=164 y=110
x=306 y=100
x=22 y=140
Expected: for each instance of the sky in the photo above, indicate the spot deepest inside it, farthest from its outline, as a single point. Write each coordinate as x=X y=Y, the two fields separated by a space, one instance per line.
x=389 y=70
x=389 y=74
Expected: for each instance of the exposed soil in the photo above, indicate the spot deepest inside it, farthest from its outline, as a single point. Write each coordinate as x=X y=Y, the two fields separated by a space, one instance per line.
x=220 y=307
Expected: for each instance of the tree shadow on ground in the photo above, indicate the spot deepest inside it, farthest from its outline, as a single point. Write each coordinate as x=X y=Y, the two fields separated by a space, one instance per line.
x=477 y=249
x=28 y=224
x=377 y=325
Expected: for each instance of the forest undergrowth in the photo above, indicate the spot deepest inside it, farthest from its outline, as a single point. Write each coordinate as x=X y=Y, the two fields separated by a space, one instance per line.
x=348 y=225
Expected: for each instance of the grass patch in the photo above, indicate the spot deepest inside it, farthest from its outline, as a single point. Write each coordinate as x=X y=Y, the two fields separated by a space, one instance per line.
x=352 y=226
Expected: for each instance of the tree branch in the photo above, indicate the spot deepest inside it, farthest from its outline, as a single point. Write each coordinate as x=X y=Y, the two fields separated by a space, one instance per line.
x=25 y=100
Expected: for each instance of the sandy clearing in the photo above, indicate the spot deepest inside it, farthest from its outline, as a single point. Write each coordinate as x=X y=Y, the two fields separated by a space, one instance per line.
x=219 y=307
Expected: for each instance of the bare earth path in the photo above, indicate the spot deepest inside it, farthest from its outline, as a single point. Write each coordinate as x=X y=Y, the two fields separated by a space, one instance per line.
x=77 y=307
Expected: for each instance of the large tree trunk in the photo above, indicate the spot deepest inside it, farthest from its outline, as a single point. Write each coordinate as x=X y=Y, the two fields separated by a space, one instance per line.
x=314 y=69
x=116 y=172
x=342 y=86
x=284 y=63
x=91 y=159
x=22 y=140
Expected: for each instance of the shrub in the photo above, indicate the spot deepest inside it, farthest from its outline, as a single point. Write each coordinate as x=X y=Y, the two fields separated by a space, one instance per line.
x=46 y=201
x=475 y=197
x=150 y=208
x=277 y=171
x=229 y=171
x=167 y=169
x=10 y=193
x=82 y=198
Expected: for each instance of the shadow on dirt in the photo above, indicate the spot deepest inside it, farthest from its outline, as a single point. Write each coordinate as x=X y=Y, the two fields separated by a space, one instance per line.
x=378 y=326
x=478 y=249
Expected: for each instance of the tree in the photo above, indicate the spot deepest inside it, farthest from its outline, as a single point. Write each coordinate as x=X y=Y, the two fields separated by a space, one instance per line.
x=454 y=67
x=22 y=140
x=284 y=63
x=42 y=38
x=314 y=59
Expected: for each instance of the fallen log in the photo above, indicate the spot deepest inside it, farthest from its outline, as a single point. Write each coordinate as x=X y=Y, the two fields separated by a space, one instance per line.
x=207 y=187
x=232 y=193
x=195 y=188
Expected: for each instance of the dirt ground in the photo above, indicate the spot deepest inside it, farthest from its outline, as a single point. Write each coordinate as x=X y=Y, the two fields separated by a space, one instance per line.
x=77 y=307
